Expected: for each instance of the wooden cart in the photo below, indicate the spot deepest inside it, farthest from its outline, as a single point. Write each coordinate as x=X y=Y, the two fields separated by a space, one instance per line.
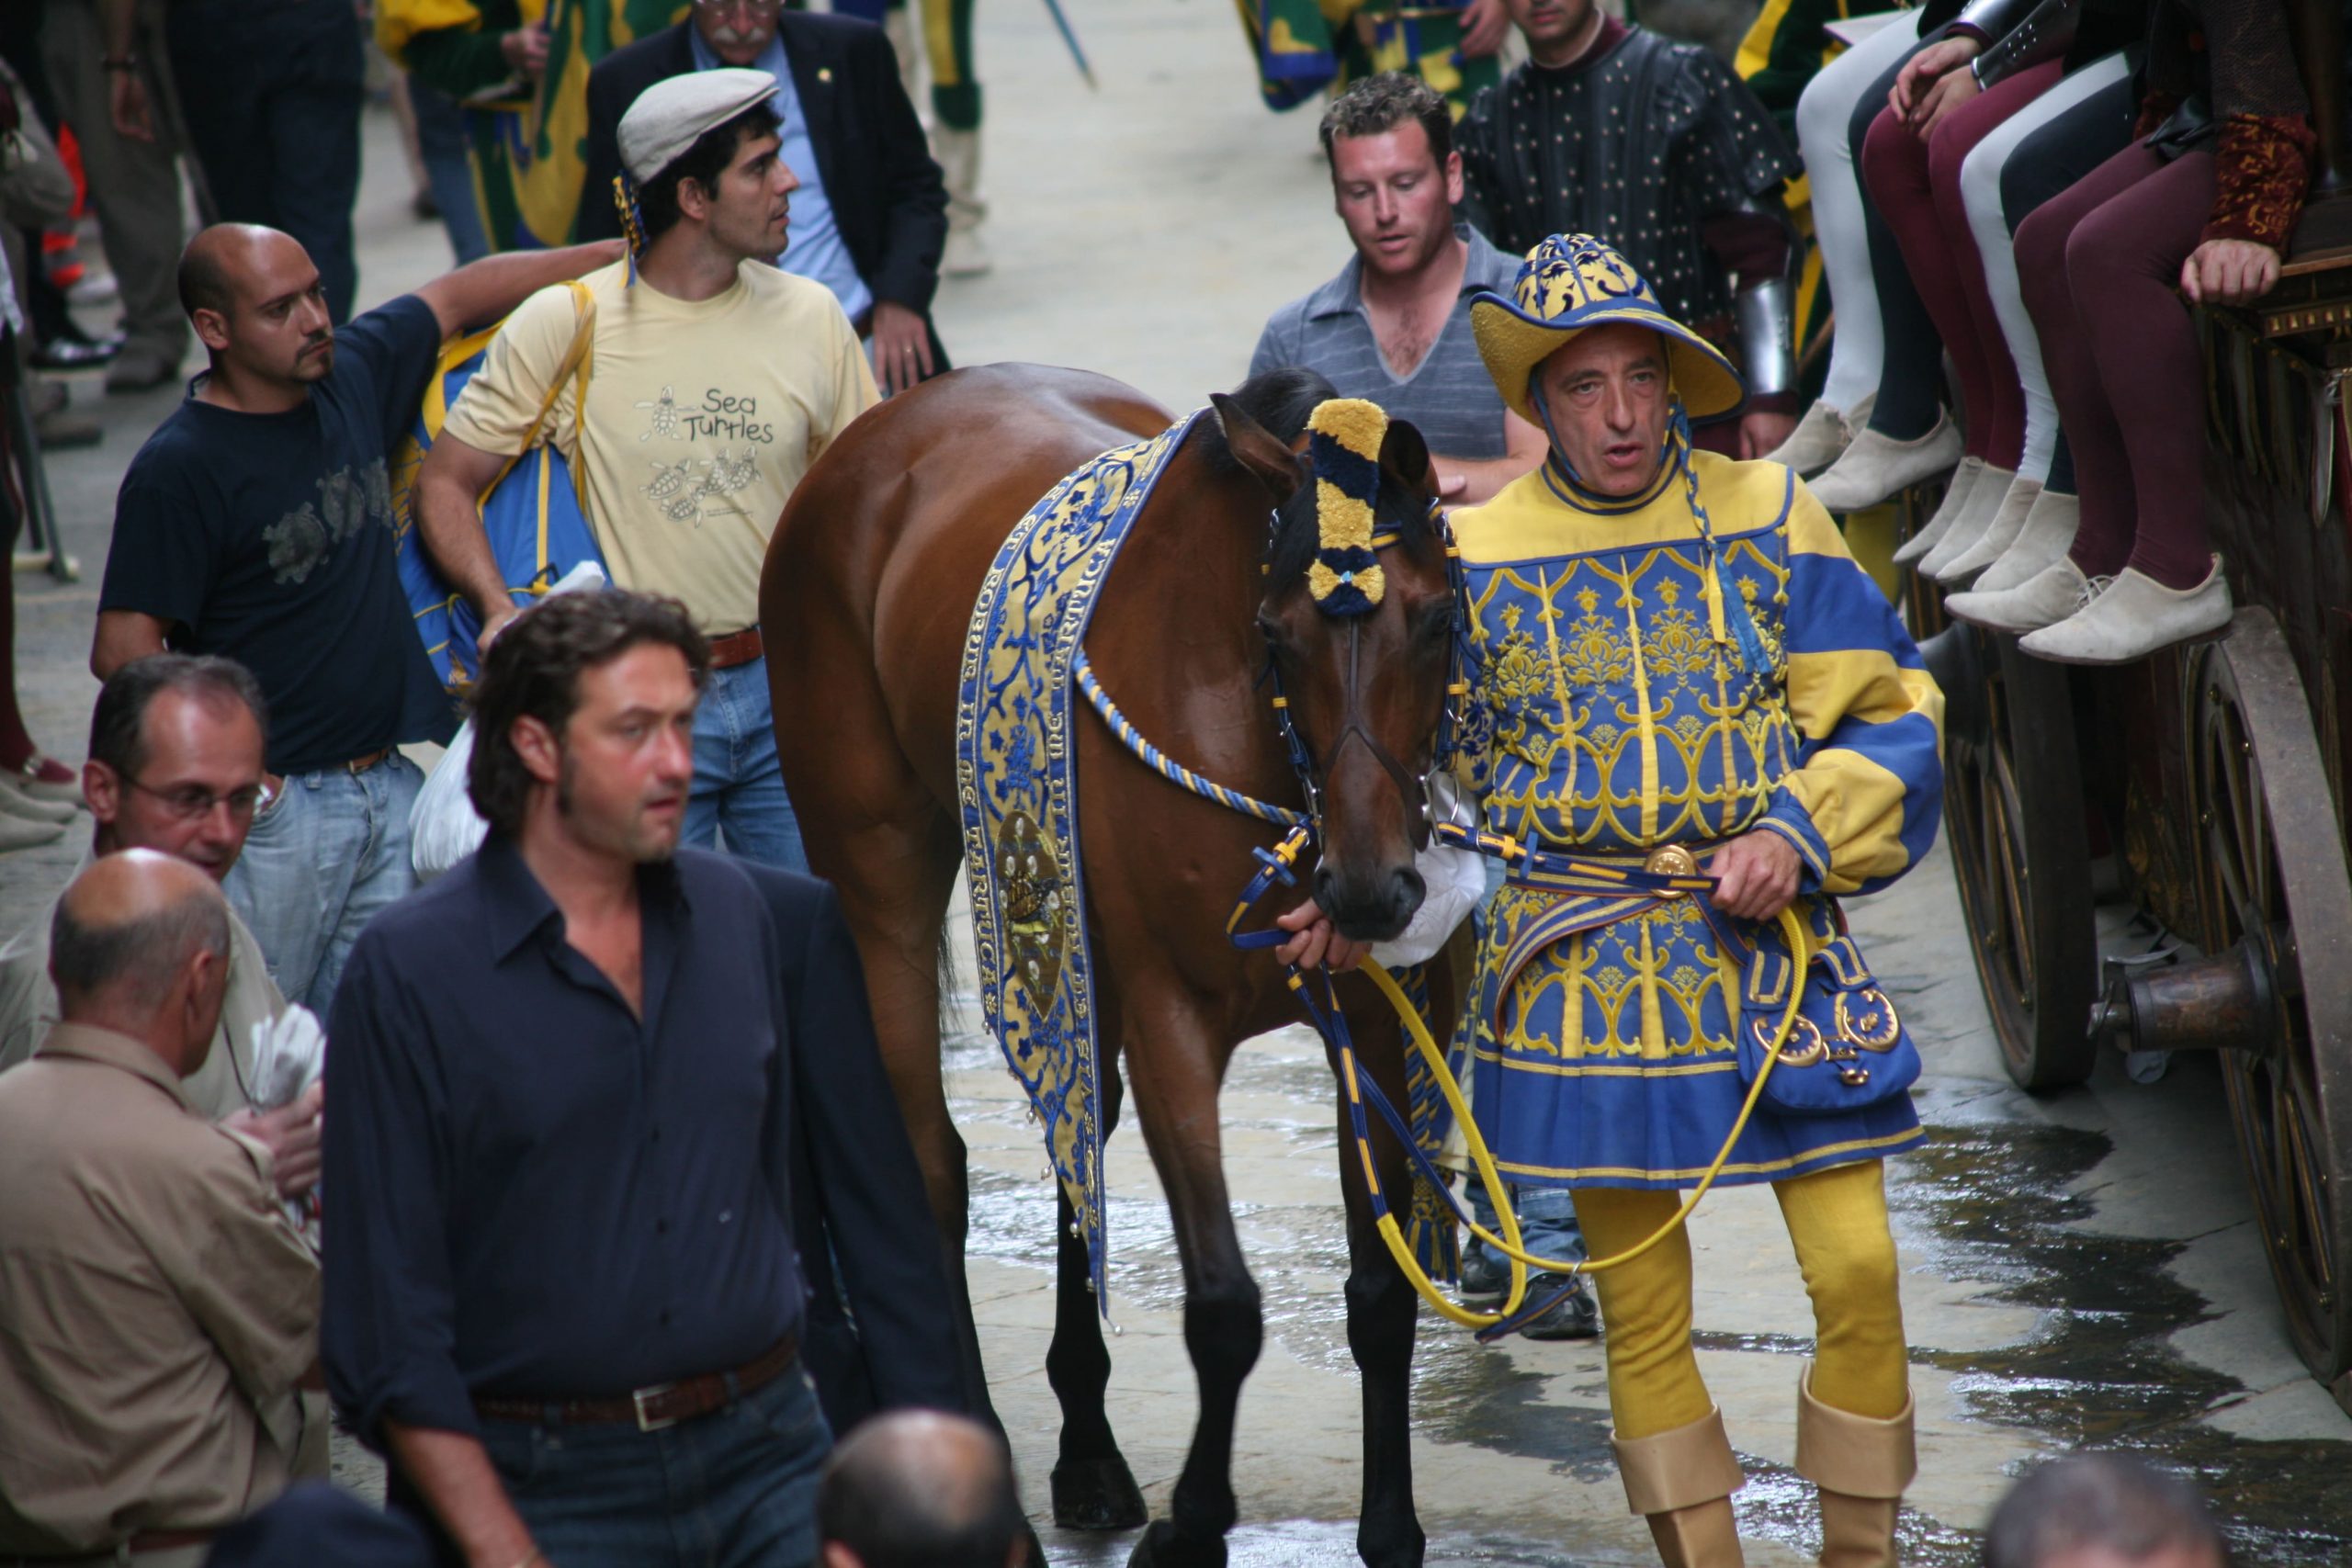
x=2212 y=778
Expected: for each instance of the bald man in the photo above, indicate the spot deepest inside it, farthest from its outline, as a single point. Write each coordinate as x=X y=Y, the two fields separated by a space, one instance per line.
x=256 y=523
x=157 y=1312
x=921 y=1489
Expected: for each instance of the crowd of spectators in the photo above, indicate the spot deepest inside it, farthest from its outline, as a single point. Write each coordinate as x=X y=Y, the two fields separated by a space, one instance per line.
x=602 y=1248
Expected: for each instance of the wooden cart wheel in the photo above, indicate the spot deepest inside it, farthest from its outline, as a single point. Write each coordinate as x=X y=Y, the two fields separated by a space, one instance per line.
x=2273 y=878
x=2013 y=802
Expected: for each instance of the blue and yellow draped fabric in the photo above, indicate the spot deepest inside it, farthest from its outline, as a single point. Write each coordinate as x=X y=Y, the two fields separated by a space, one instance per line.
x=530 y=152
x=1016 y=775
x=1610 y=721
x=1305 y=46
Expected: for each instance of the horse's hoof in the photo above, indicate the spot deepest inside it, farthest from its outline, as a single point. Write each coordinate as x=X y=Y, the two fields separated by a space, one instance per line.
x=1163 y=1547
x=1097 y=1494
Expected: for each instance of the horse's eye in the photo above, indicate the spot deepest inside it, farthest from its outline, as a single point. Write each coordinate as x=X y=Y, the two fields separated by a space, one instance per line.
x=1434 y=624
x=1272 y=630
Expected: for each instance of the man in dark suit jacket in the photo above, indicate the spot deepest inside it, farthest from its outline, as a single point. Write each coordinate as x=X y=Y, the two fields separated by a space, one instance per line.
x=860 y=1213
x=872 y=166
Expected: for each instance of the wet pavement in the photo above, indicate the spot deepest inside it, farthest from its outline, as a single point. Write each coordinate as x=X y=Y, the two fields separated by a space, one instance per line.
x=2078 y=1270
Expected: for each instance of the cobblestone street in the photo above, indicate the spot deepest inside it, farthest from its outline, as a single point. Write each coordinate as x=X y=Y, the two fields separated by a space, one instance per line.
x=2080 y=1269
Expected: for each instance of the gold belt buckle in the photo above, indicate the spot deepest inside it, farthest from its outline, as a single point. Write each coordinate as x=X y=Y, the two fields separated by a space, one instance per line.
x=1671 y=860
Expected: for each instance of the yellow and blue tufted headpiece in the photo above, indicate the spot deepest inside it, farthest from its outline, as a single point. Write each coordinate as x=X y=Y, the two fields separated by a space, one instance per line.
x=1574 y=281
x=1343 y=443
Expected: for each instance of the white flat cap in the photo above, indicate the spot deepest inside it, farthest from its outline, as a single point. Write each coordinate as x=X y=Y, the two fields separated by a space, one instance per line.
x=671 y=114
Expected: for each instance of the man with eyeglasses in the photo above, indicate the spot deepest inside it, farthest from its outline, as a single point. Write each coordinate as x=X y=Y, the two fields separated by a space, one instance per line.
x=176 y=766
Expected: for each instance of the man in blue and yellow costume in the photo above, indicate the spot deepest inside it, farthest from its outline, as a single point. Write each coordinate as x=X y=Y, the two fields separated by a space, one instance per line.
x=1677 y=669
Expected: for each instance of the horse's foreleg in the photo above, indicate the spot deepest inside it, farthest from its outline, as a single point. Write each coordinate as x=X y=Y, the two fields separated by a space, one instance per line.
x=1176 y=1067
x=1382 y=1306
x=1093 y=1488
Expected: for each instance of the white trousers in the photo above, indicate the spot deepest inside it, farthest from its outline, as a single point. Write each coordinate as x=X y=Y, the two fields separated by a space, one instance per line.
x=1824 y=115
x=1980 y=193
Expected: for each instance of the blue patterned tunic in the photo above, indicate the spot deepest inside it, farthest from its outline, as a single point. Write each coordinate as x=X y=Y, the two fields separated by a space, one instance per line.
x=1611 y=716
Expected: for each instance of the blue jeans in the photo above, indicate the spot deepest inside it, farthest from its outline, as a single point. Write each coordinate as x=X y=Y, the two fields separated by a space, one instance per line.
x=736 y=1488
x=1547 y=1221
x=330 y=851
x=447 y=152
x=738 y=784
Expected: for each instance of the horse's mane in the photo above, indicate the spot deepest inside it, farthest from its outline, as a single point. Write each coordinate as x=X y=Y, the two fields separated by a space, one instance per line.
x=1282 y=401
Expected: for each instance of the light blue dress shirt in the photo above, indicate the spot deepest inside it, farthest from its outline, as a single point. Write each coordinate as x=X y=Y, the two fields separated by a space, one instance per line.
x=814 y=249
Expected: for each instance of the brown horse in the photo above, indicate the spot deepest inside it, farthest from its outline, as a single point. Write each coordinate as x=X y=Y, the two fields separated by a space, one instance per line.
x=867 y=595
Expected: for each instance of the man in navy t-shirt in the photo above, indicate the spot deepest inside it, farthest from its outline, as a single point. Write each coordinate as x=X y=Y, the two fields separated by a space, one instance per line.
x=256 y=523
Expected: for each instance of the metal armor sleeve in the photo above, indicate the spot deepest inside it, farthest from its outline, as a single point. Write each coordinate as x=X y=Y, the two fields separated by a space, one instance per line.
x=2044 y=35
x=1764 y=317
x=1987 y=19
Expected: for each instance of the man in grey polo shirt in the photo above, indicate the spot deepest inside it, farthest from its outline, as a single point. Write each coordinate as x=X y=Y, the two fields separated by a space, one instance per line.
x=1395 y=325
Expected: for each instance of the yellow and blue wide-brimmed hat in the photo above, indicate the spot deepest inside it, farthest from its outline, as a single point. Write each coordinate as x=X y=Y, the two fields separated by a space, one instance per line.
x=1574 y=281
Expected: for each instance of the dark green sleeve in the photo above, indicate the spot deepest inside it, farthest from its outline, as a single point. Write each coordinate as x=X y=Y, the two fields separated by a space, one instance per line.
x=461 y=62
x=1792 y=59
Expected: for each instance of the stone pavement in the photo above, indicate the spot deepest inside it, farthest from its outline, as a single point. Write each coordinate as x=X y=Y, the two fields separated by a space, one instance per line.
x=2079 y=1269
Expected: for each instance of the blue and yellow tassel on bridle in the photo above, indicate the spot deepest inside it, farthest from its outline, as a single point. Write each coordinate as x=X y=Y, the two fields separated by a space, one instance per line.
x=1344 y=436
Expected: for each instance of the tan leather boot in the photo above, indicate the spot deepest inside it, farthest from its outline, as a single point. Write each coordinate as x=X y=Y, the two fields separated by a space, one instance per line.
x=1861 y=1466
x=1681 y=1482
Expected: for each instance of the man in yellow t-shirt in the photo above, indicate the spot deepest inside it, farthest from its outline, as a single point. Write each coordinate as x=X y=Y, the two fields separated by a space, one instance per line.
x=716 y=380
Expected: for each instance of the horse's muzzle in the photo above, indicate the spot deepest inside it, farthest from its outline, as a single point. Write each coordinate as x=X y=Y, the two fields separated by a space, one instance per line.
x=1370 y=908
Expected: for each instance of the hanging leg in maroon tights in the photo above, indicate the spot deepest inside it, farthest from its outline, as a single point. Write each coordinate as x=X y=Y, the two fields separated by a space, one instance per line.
x=1897 y=169
x=2123 y=266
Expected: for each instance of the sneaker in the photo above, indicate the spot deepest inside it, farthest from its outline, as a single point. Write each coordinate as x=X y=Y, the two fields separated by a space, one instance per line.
x=2135 y=616
x=2050 y=596
x=1576 y=1315
x=1984 y=497
x=2047 y=533
x=136 y=369
x=1820 y=438
x=1876 y=466
x=1483 y=1275
x=1955 y=501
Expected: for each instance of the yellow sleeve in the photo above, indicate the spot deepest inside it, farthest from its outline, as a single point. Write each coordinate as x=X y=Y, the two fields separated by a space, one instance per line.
x=501 y=403
x=1864 y=802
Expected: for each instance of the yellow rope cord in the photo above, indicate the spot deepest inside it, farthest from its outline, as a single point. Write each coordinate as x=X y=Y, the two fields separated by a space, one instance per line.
x=1508 y=1244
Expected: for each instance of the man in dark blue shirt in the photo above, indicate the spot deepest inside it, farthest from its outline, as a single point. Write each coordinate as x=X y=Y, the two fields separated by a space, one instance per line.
x=256 y=523
x=564 y=1296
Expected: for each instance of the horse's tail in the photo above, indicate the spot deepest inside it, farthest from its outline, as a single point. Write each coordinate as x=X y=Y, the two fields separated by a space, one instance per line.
x=949 y=988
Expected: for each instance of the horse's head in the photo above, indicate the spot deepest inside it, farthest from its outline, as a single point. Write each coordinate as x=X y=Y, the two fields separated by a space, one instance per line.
x=1359 y=613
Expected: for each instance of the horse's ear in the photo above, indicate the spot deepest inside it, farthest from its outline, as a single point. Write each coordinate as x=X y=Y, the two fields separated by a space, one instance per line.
x=1404 y=454
x=1255 y=448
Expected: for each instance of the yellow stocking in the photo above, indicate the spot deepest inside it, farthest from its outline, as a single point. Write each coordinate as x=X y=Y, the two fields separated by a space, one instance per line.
x=1836 y=1220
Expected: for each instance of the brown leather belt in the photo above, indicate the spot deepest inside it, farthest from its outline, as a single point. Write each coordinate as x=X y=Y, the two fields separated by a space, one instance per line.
x=145 y=1540
x=164 y=1541
x=361 y=764
x=736 y=647
x=659 y=1405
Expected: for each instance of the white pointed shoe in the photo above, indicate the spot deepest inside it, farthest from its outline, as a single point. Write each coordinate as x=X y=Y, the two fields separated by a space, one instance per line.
x=20 y=833
x=2048 y=534
x=1876 y=465
x=1822 y=436
x=2134 y=617
x=1955 y=501
x=1984 y=500
x=2000 y=533
x=15 y=802
x=2050 y=596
